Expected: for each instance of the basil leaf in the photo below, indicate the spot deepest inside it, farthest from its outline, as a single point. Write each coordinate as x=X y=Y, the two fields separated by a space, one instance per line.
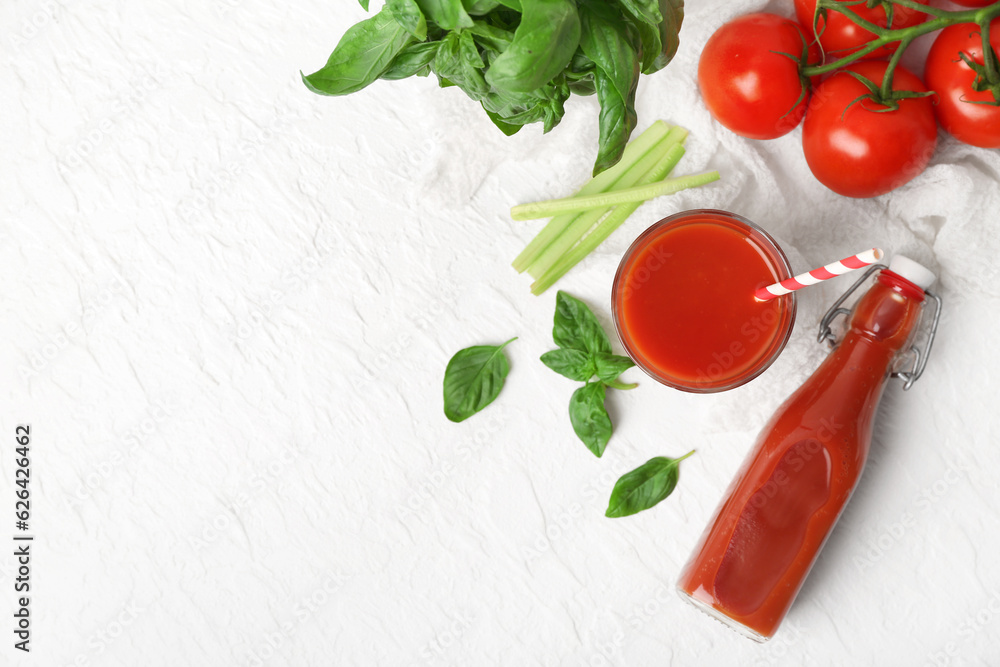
x=409 y=16
x=660 y=40
x=513 y=109
x=580 y=75
x=480 y=7
x=574 y=364
x=528 y=54
x=365 y=51
x=415 y=60
x=606 y=40
x=576 y=328
x=543 y=46
x=508 y=129
x=473 y=379
x=491 y=38
x=670 y=30
x=583 y=86
x=581 y=65
x=589 y=417
x=645 y=486
x=459 y=63
x=616 y=122
x=647 y=11
x=447 y=14
x=556 y=92
x=470 y=51
x=609 y=366
x=651 y=46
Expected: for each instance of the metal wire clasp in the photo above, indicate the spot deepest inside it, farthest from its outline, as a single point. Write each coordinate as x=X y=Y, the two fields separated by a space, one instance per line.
x=919 y=357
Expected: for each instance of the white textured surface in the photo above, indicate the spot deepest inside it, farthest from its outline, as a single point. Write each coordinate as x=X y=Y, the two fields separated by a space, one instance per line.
x=228 y=304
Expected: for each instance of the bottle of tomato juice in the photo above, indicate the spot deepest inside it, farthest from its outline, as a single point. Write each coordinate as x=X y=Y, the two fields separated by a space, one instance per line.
x=777 y=513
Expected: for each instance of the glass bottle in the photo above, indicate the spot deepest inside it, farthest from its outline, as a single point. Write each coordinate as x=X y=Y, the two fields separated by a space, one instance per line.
x=779 y=510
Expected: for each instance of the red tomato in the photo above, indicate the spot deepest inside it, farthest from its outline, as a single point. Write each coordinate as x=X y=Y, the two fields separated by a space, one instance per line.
x=749 y=88
x=840 y=36
x=951 y=78
x=865 y=153
x=973 y=3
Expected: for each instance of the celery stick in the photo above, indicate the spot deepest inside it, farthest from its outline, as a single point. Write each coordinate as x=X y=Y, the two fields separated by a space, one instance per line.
x=606 y=200
x=677 y=135
x=586 y=221
x=611 y=222
x=600 y=183
x=596 y=237
x=633 y=151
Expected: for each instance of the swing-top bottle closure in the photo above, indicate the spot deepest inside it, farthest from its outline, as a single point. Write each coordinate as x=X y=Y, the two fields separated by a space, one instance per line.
x=913 y=272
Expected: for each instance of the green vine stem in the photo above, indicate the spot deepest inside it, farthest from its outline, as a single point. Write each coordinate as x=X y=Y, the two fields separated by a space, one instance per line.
x=885 y=92
x=844 y=7
x=941 y=19
x=989 y=55
x=926 y=9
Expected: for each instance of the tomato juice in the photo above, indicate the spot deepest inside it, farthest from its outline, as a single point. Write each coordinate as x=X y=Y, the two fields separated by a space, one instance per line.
x=684 y=306
x=779 y=510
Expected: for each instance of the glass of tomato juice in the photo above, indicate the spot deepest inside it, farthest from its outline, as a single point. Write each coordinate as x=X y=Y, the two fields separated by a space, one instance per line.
x=684 y=306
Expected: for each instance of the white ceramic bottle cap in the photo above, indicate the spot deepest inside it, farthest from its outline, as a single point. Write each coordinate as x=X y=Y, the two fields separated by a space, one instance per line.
x=918 y=274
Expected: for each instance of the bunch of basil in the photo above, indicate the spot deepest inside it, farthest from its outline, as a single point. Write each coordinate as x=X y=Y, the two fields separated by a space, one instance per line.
x=520 y=59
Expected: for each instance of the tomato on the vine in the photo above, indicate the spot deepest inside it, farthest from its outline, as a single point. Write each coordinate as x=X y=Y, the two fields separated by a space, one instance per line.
x=749 y=75
x=859 y=148
x=973 y=3
x=964 y=113
x=839 y=36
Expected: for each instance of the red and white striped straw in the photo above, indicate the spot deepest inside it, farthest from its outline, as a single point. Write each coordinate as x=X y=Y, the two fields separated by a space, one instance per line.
x=866 y=258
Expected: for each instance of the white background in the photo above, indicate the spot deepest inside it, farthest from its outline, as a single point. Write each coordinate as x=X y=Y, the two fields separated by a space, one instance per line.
x=227 y=308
